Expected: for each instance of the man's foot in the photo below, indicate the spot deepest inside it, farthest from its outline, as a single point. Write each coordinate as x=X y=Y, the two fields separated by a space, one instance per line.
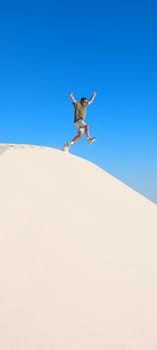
x=91 y=139
x=66 y=147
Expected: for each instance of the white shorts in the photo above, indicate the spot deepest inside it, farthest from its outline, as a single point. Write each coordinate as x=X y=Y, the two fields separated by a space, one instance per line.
x=79 y=125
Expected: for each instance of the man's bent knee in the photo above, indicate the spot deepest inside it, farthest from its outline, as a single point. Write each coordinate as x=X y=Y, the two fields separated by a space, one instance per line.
x=80 y=133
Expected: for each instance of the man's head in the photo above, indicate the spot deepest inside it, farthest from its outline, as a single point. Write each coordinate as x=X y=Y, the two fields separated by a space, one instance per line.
x=83 y=101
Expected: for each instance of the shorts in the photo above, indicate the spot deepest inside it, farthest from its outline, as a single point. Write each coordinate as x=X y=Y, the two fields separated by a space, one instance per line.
x=79 y=125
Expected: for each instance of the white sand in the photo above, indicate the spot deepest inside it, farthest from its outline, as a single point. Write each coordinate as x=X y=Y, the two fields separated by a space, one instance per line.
x=78 y=256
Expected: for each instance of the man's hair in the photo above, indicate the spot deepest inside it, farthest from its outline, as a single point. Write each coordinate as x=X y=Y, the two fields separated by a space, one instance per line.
x=83 y=99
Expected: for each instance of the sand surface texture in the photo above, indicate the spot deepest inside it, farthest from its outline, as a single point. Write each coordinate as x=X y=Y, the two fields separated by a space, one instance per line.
x=78 y=256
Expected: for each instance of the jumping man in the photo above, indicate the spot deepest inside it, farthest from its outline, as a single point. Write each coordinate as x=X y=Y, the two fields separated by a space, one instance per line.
x=80 y=109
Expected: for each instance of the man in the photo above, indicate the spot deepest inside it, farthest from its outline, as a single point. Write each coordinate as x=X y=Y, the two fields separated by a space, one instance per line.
x=80 y=109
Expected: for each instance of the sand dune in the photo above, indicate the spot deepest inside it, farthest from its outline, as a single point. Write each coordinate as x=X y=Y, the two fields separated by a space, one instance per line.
x=78 y=256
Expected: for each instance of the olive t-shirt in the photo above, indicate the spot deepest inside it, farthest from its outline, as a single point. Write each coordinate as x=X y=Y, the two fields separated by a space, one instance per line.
x=80 y=111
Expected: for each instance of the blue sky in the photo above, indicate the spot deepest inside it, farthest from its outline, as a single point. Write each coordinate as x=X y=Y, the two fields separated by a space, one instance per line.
x=49 y=48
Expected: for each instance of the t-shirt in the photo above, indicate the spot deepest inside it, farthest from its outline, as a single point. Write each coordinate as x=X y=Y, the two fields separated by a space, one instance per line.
x=80 y=111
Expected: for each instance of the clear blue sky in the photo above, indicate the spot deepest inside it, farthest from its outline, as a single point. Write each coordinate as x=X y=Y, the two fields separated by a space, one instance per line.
x=49 y=48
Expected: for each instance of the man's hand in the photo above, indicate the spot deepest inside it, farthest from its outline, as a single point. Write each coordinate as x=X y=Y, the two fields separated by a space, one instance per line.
x=72 y=97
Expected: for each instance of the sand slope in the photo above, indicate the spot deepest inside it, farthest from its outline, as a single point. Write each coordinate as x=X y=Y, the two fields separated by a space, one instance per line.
x=78 y=256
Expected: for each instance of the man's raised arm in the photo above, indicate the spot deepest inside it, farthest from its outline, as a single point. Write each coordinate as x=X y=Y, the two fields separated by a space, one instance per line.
x=92 y=98
x=72 y=97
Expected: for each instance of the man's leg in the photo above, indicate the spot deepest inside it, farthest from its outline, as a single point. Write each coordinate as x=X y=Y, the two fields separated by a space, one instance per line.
x=81 y=128
x=87 y=131
x=78 y=136
x=90 y=139
x=75 y=139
